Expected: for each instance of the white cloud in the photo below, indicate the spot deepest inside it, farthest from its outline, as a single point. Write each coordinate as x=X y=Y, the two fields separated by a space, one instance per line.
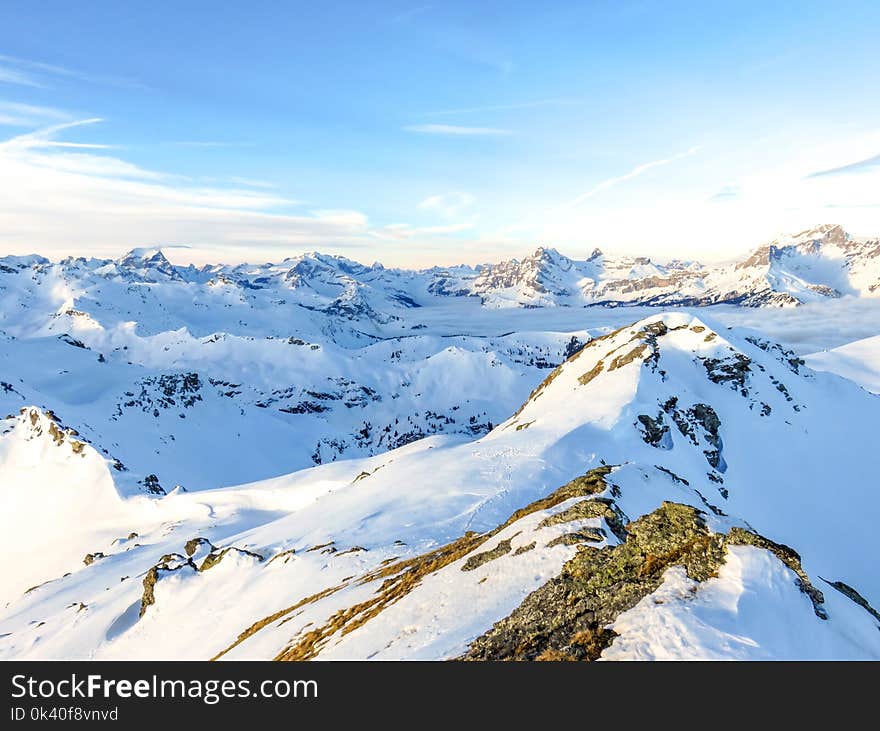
x=29 y=115
x=554 y=102
x=634 y=173
x=58 y=202
x=14 y=76
x=683 y=216
x=342 y=217
x=456 y=130
x=448 y=204
x=401 y=231
x=46 y=137
x=27 y=72
x=849 y=168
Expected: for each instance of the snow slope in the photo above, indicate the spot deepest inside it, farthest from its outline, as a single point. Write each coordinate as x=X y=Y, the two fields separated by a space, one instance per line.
x=859 y=361
x=435 y=549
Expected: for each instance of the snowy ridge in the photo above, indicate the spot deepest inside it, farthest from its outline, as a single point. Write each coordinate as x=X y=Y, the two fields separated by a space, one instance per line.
x=673 y=489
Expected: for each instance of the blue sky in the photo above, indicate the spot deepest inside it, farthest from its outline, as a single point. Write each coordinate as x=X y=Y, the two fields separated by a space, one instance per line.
x=422 y=133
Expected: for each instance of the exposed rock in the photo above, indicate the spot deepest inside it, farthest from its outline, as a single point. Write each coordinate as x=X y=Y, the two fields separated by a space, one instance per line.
x=627 y=358
x=169 y=563
x=590 y=374
x=590 y=508
x=151 y=485
x=584 y=535
x=733 y=370
x=478 y=559
x=283 y=556
x=853 y=595
x=193 y=545
x=788 y=556
x=654 y=431
x=597 y=585
x=215 y=557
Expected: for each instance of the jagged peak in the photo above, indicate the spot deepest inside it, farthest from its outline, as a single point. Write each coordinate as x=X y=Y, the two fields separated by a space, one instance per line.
x=151 y=254
x=38 y=422
x=547 y=252
x=597 y=382
x=822 y=230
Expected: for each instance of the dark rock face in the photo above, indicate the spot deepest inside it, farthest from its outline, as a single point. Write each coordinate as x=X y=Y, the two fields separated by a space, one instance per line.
x=217 y=555
x=854 y=596
x=567 y=618
x=193 y=545
x=478 y=559
x=595 y=586
x=90 y=558
x=654 y=431
x=169 y=563
x=152 y=486
x=733 y=371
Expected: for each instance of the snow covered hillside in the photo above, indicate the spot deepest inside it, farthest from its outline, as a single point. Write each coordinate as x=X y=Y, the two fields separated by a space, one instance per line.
x=671 y=488
x=859 y=361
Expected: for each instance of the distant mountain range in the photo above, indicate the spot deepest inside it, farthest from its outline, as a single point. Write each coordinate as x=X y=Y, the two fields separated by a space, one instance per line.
x=320 y=458
x=820 y=263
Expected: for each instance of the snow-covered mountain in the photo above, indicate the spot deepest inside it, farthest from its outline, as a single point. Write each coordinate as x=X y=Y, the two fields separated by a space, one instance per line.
x=364 y=302
x=320 y=458
x=673 y=489
x=818 y=263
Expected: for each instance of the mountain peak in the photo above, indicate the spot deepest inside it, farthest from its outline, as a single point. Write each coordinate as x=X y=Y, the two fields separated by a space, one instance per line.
x=547 y=252
x=660 y=359
x=144 y=253
x=147 y=261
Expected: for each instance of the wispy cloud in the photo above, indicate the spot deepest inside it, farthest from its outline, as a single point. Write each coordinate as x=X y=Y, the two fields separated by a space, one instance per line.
x=208 y=143
x=407 y=15
x=14 y=76
x=29 y=115
x=27 y=72
x=556 y=102
x=727 y=193
x=448 y=204
x=67 y=200
x=854 y=167
x=33 y=111
x=456 y=130
x=248 y=182
x=46 y=137
x=634 y=173
x=401 y=231
x=40 y=66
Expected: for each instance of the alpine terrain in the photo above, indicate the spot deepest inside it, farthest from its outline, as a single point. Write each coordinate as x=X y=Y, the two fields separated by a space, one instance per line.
x=538 y=459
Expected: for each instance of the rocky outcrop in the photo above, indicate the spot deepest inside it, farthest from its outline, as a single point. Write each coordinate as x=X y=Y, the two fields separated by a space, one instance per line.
x=568 y=618
x=169 y=563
